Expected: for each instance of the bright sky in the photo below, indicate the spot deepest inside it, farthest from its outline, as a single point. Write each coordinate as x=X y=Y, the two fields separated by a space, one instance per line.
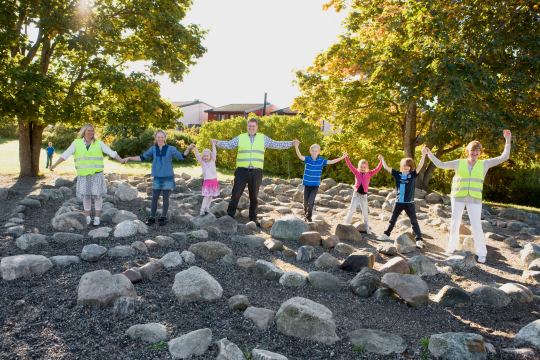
x=253 y=48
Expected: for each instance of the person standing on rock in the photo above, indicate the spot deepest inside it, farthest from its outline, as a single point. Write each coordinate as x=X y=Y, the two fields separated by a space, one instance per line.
x=467 y=188
x=210 y=186
x=88 y=157
x=163 y=173
x=249 y=165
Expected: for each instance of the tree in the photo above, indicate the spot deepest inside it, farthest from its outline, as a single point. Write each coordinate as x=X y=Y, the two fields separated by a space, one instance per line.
x=440 y=72
x=73 y=71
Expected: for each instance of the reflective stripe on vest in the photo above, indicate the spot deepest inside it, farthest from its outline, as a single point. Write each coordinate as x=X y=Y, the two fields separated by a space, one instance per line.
x=250 y=154
x=88 y=162
x=471 y=184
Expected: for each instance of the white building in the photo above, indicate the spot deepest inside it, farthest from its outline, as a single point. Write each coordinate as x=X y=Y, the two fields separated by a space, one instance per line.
x=194 y=112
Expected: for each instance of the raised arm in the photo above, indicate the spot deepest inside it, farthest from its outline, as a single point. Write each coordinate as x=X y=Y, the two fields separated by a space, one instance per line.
x=448 y=165
x=214 y=152
x=421 y=163
x=272 y=144
x=351 y=166
x=338 y=159
x=376 y=170
x=386 y=167
x=186 y=153
x=296 y=143
x=228 y=145
x=504 y=156
x=197 y=155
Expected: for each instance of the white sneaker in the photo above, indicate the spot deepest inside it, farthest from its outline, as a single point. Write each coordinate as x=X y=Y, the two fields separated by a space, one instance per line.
x=420 y=244
x=450 y=251
x=96 y=221
x=88 y=220
x=481 y=259
x=202 y=212
x=367 y=231
x=384 y=237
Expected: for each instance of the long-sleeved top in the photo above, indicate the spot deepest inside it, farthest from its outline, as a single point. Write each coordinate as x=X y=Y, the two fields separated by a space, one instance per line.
x=71 y=150
x=162 y=165
x=268 y=143
x=208 y=167
x=488 y=163
x=362 y=179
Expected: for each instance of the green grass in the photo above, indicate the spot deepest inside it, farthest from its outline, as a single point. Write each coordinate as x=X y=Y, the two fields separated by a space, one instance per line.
x=519 y=207
x=160 y=345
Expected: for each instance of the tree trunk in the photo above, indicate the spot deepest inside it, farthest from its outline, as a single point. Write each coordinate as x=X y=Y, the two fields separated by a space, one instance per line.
x=29 y=147
x=409 y=130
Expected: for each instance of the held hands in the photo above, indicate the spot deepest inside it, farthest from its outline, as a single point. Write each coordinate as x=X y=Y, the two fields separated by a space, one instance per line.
x=296 y=143
x=191 y=146
x=345 y=154
x=381 y=157
x=125 y=160
x=507 y=135
x=425 y=150
x=213 y=142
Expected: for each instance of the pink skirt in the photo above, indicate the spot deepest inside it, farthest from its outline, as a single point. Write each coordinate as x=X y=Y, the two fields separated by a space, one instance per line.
x=210 y=188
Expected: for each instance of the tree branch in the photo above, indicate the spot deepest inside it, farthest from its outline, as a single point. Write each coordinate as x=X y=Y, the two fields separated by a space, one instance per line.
x=33 y=51
x=74 y=83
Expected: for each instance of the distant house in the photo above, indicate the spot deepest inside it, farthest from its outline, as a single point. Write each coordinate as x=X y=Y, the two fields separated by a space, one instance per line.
x=234 y=110
x=194 y=112
x=285 y=111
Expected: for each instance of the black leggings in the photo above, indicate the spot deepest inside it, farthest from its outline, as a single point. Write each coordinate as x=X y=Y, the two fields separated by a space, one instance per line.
x=155 y=199
x=310 y=192
x=411 y=213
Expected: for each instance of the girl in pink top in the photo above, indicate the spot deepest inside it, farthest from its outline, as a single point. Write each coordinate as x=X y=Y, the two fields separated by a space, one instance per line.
x=362 y=175
x=210 y=186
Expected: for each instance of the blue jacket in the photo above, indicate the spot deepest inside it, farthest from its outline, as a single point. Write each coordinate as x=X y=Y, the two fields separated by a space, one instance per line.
x=162 y=165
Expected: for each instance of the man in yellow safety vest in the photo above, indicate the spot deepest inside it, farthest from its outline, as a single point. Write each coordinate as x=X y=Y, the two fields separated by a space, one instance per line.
x=249 y=165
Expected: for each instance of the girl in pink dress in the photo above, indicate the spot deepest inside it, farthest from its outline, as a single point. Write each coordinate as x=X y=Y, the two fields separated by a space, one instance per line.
x=210 y=186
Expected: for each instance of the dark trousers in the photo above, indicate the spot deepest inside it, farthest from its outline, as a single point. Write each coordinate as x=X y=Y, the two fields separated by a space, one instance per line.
x=310 y=192
x=49 y=161
x=411 y=213
x=155 y=199
x=253 y=179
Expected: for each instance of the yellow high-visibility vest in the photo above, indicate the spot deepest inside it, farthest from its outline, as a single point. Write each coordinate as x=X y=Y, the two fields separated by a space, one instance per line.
x=250 y=154
x=465 y=184
x=88 y=162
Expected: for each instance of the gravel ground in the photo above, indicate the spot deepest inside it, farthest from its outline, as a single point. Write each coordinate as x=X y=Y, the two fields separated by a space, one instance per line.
x=50 y=324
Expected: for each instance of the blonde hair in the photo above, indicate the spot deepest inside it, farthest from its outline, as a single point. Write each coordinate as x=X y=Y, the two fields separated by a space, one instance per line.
x=409 y=162
x=83 y=130
x=157 y=132
x=474 y=145
x=315 y=146
x=363 y=161
x=206 y=151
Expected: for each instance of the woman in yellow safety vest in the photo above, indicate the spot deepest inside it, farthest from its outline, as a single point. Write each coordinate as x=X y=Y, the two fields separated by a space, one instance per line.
x=467 y=188
x=88 y=157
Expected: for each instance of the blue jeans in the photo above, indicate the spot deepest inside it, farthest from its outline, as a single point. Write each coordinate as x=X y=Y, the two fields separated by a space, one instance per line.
x=163 y=183
x=49 y=161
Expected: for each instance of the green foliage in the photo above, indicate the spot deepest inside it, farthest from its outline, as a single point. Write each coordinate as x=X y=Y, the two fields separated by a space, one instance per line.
x=160 y=345
x=424 y=343
x=60 y=135
x=8 y=127
x=279 y=128
x=360 y=349
x=513 y=186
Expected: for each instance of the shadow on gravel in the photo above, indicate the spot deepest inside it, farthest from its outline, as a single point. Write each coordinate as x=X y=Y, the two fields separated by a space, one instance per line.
x=26 y=185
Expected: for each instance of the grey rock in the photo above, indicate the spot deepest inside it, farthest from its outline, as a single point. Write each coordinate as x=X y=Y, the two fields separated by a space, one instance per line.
x=164 y=240
x=14 y=267
x=61 y=237
x=293 y=279
x=210 y=250
x=150 y=269
x=121 y=251
x=203 y=220
x=384 y=294
x=101 y=288
x=123 y=307
x=305 y=253
x=529 y=253
x=125 y=192
x=410 y=288
x=326 y=261
x=450 y=296
x=28 y=241
x=69 y=221
x=516 y=225
x=263 y=318
x=486 y=226
x=303 y=318
x=15 y=230
x=229 y=351
x=491 y=296
x=530 y=231
x=259 y=354
x=324 y=281
x=64 y=260
x=172 y=259
x=30 y=203
x=151 y=332
x=193 y=343
x=226 y=225
x=348 y=232
x=358 y=260
x=238 y=302
x=60 y=182
x=404 y=244
x=518 y=292
x=457 y=346
x=365 y=283
x=253 y=241
x=530 y=333
x=123 y=215
x=99 y=233
x=188 y=257
x=195 y=284
x=289 y=228
x=93 y=252
x=126 y=228
x=420 y=265
x=178 y=236
x=377 y=341
x=109 y=214
x=65 y=209
x=461 y=260
x=267 y=271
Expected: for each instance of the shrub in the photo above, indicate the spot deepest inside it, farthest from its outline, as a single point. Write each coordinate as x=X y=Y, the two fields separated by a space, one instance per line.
x=279 y=128
x=8 y=128
x=60 y=135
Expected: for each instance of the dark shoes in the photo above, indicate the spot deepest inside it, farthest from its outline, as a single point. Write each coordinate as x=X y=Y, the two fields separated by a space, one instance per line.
x=151 y=221
x=162 y=220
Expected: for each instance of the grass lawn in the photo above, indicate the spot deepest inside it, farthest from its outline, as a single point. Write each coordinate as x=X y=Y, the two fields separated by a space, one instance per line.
x=9 y=164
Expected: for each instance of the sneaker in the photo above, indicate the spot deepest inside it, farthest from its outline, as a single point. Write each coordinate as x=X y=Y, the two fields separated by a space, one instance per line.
x=368 y=231
x=481 y=259
x=420 y=244
x=202 y=212
x=151 y=221
x=88 y=220
x=162 y=220
x=384 y=237
x=96 y=221
x=450 y=251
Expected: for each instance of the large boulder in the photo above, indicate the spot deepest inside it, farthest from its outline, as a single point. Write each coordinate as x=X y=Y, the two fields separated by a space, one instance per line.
x=203 y=220
x=420 y=265
x=324 y=281
x=491 y=296
x=306 y=319
x=267 y=271
x=126 y=228
x=263 y=318
x=293 y=279
x=195 y=284
x=193 y=343
x=289 y=228
x=450 y=296
x=365 y=283
x=348 y=232
x=518 y=292
x=229 y=351
x=461 y=260
x=123 y=215
x=101 y=288
x=151 y=332
x=404 y=244
x=125 y=192
x=326 y=261
x=529 y=253
x=395 y=265
x=530 y=333
x=66 y=238
x=225 y=224
x=358 y=260
x=457 y=346
x=28 y=241
x=70 y=221
x=377 y=341
x=93 y=252
x=65 y=260
x=121 y=251
x=410 y=288
x=14 y=267
x=210 y=250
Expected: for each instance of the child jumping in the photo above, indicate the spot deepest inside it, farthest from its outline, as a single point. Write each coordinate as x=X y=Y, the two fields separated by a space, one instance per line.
x=163 y=173
x=210 y=186
x=312 y=175
x=405 y=181
x=363 y=176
